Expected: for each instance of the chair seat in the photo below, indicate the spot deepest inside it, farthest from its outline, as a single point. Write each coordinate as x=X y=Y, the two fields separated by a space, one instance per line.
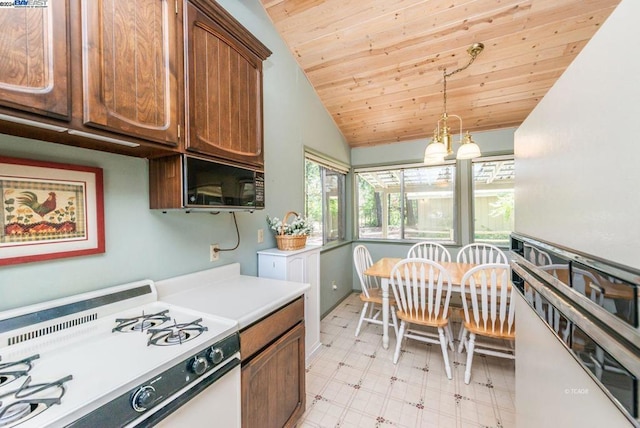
x=375 y=296
x=488 y=333
x=437 y=322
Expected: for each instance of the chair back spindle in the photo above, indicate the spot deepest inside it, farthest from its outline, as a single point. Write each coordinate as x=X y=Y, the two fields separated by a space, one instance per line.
x=481 y=254
x=429 y=250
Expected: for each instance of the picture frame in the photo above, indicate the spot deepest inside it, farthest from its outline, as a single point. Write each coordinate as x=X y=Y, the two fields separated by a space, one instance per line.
x=49 y=210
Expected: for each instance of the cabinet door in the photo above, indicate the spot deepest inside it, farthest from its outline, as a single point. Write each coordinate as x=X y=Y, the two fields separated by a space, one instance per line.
x=34 y=59
x=296 y=268
x=224 y=87
x=273 y=383
x=273 y=267
x=130 y=63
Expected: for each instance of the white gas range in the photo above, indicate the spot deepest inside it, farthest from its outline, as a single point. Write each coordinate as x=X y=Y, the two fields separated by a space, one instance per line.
x=112 y=358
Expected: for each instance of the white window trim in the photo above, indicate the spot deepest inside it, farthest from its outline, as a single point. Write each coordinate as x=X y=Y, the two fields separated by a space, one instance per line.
x=326 y=161
x=470 y=184
x=385 y=167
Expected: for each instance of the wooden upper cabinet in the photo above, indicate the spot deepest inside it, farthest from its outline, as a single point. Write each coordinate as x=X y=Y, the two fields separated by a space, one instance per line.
x=224 y=86
x=34 y=59
x=131 y=52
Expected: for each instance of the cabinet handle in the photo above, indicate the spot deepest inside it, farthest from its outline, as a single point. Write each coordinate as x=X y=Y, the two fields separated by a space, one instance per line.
x=28 y=122
x=103 y=138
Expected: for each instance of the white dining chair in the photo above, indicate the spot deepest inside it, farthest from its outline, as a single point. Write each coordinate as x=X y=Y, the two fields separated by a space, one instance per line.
x=422 y=290
x=429 y=250
x=481 y=254
x=371 y=295
x=488 y=300
x=477 y=253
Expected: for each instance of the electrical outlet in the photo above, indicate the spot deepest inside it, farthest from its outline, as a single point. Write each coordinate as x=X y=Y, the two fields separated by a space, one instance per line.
x=214 y=253
x=260 y=236
x=333 y=285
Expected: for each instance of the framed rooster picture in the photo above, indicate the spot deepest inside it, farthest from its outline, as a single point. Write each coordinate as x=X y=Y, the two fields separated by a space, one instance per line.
x=49 y=211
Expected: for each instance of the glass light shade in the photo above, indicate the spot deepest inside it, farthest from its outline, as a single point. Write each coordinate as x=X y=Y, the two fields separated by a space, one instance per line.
x=468 y=149
x=434 y=153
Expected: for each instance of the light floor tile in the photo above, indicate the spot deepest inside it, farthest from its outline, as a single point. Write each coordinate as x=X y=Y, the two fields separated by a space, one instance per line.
x=353 y=383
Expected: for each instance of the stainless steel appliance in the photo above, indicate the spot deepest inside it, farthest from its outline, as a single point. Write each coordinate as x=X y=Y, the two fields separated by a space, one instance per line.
x=114 y=358
x=591 y=306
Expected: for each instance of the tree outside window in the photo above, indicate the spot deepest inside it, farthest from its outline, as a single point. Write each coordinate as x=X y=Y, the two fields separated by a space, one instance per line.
x=407 y=203
x=493 y=201
x=325 y=202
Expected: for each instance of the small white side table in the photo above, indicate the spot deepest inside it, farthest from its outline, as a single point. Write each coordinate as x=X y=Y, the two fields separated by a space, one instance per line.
x=299 y=266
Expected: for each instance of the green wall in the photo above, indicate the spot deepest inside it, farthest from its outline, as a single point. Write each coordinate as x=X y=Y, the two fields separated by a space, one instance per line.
x=141 y=243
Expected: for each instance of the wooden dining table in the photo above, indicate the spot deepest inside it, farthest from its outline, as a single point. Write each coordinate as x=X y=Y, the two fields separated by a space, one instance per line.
x=382 y=269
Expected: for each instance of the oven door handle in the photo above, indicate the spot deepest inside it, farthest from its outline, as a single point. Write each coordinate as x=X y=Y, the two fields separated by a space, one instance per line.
x=174 y=405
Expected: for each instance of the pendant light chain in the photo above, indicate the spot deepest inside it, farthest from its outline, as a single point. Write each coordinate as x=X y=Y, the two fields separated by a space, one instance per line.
x=473 y=52
x=445 y=91
x=440 y=145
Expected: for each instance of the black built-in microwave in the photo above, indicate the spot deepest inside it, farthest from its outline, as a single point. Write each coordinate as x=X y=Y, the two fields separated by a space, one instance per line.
x=215 y=185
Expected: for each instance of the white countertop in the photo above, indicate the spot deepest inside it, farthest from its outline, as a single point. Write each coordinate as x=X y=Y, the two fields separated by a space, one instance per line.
x=224 y=292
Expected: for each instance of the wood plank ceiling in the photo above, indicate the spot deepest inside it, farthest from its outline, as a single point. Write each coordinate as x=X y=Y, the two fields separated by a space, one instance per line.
x=377 y=65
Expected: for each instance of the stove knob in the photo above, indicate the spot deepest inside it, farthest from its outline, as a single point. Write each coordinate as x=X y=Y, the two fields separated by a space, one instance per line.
x=198 y=365
x=215 y=355
x=143 y=398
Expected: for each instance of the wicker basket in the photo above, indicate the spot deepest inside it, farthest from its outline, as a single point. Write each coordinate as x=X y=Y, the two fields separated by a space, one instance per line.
x=290 y=242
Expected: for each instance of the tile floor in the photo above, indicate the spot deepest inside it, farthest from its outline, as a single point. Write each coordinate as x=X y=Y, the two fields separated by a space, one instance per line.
x=352 y=382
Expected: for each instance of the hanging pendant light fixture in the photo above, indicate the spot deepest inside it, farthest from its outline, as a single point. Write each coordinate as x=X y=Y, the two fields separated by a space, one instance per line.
x=440 y=145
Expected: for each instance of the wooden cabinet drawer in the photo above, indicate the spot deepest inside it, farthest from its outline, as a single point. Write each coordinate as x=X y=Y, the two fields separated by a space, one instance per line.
x=265 y=331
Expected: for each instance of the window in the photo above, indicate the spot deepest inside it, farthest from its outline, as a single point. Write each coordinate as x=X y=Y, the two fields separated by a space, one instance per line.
x=493 y=180
x=407 y=203
x=325 y=199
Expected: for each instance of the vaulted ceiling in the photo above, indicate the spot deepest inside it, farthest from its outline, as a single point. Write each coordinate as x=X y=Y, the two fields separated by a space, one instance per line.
x=377 y=65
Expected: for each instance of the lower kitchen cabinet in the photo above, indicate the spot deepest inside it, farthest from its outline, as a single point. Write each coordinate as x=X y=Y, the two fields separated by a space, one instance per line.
x=273 y=369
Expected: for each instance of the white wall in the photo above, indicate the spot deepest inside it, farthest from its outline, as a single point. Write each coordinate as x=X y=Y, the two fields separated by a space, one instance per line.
x=577 y=153
x=576 y=177
x=141 y=243
x=552 y=390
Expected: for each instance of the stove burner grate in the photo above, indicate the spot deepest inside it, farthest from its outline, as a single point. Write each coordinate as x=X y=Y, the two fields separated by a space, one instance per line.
x=30 y=400
x=175 y=334
x=142 y=322
x=13 y=370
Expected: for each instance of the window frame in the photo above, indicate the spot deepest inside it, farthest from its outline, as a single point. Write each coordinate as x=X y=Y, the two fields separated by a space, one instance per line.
x=327 y=163
x=471 y=190
x=403 y=166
